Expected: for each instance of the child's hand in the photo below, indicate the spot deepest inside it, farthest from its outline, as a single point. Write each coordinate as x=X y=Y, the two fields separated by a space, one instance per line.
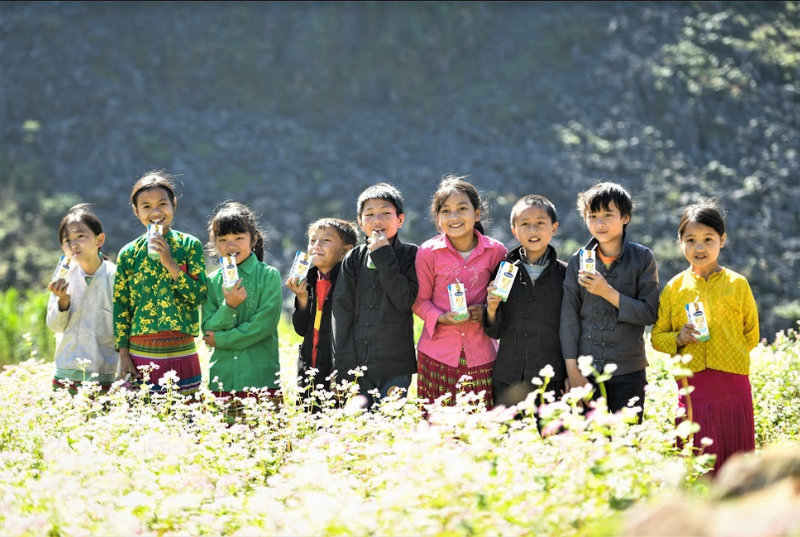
x=60 y=288
x=492 y=301
x=159 y=244
x=476 y=312
x=126 y=367
x=236 y=295
x=377 y=240
x=594 y=283
x=298 y=287
x=208 y=337
x=449 y=318
x=687 y=335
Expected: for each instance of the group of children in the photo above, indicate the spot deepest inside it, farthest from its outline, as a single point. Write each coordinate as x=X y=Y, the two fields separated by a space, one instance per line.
x=355 y=307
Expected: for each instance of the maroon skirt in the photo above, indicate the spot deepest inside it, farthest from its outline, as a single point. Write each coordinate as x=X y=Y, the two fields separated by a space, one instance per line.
x=722 y=404
x=435 y=379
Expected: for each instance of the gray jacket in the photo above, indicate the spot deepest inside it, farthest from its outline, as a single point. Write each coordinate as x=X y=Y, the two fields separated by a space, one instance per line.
x=591 y=326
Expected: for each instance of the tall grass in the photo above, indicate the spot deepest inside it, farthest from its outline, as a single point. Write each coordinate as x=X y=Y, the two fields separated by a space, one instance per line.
x=23 y=326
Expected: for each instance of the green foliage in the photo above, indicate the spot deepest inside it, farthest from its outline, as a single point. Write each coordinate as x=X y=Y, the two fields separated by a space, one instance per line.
x=23 y=327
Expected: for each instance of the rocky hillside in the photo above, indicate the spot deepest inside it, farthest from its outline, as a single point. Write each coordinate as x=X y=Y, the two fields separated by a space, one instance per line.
x=295 y=107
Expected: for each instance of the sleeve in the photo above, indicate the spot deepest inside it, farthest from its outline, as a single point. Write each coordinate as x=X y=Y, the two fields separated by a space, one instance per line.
x=664 y=337
x=123 y=306
x=57 y=320
x=570 y=329
x=216 y=313
x=264 y=321
x=424 y=307
x=643 y=308
x=398 y=282
x=342 y=316
x=301 y=317
x=191 y=287
x=496 y=330
x=750 y=314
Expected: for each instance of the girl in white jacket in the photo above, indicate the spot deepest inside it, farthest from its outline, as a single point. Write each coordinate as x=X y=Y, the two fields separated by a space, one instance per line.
x=80 y=310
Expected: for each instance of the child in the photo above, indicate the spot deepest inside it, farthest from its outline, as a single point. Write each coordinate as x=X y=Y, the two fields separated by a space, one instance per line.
x=79 y=309
x=722 y=401
x=527 y=322
x=372 y=321
x=241 y=323
x=158 y=290
x=603 y=314
x=329 y=239
x=450 y=348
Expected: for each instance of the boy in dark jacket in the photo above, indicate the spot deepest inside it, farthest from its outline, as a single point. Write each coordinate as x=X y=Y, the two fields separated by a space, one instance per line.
x=373 y=324
x=329 y=239
x=527 y=323
x=604 y=311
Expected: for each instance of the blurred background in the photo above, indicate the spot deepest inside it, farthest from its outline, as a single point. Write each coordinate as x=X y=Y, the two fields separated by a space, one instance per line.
x=294 y=108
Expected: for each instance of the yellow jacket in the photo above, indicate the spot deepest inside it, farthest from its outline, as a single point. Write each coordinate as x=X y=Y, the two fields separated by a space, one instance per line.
x=731 y=314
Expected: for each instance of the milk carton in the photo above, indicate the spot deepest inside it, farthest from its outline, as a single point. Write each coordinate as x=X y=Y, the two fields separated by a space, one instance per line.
x=505 y=279
x=153 y=230
x=697 y=316
x=230 y=272
x=64 y=267
x=300 y=266
x=588 y=260
x=458 y=300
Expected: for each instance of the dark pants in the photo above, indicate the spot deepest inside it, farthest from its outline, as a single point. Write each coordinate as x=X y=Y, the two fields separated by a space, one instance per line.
x=384 y=385
x=621 y=388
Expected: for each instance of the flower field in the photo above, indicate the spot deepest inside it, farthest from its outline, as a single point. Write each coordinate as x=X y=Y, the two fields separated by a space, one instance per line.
x=128 y=463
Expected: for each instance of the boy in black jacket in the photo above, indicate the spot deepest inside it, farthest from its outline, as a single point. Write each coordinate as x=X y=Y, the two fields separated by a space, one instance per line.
x=373 y=324
x=527 y=324
x=329 y=239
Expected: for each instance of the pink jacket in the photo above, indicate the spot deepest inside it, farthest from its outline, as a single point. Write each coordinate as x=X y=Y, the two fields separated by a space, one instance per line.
x=438 y=265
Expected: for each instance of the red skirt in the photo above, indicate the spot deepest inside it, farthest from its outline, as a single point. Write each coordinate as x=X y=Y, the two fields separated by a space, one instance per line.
x=435 y=379
x=168 y=351
x=722 y=404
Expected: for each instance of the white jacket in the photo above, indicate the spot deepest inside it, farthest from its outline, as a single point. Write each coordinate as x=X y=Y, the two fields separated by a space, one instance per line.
x=86 y=330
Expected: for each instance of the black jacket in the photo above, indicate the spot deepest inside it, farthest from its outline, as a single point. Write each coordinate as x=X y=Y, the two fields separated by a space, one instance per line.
x=303 y=322
x=527 y=324
x=373 y=324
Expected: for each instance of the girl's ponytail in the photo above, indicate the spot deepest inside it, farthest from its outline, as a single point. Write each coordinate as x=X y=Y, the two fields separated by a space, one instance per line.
x=479 y=227
x=258 y=247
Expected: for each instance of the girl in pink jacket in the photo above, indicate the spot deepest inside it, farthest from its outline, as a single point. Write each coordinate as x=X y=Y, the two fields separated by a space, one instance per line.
x=453 y=345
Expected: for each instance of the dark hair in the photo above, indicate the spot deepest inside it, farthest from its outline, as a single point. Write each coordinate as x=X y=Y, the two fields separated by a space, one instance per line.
x=80 y=214
x=706 y=211
x=234 y=218
x=152 y=180
x=600 y=196
x=347 y=231
x=534 y=200
x=449 y=185
x=381 y=191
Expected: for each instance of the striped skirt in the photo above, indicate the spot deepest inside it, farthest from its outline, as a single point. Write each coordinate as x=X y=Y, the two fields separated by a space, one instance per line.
x=435 y=379
x=163 y=352
x=722 y=404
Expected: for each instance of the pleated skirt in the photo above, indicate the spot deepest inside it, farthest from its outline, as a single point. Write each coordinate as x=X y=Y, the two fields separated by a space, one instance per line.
x=168 y=351
x=722 y=404
x=435 y=379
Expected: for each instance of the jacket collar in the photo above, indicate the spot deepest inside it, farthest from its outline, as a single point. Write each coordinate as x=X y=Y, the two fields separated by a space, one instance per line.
x=592 y=244
x=249 y=264
x=515 y=254
x=442 y=242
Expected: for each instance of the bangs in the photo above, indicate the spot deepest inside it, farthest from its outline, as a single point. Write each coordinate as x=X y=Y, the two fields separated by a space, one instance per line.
x=229 y=223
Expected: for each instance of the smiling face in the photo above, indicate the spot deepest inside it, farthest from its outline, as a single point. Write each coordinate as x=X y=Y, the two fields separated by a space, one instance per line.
x=380 y=215
x=607 y=226
x=326 y=248
x=534 y=229
x=79 y=241
x=701 y=245
x=239 y=245
x=154 y=207
x=456 y=218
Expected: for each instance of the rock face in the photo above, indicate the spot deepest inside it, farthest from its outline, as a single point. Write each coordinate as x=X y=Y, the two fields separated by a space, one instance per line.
x=295 y=108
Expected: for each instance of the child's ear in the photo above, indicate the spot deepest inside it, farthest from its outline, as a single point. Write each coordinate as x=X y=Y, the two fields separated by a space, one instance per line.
x=555 y=227
x=347 y=248
x=400 y=219
x=514 y=232
x=101 y=240
x=722 y=240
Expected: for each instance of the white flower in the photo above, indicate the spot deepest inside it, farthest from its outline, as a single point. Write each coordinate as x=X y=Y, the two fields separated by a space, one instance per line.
x=547 y=372
x=585 y=365
x=609 y=369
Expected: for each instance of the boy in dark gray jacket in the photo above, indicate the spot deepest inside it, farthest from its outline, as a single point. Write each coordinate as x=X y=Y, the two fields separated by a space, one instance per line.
x=603 y=314
x=373 y=324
